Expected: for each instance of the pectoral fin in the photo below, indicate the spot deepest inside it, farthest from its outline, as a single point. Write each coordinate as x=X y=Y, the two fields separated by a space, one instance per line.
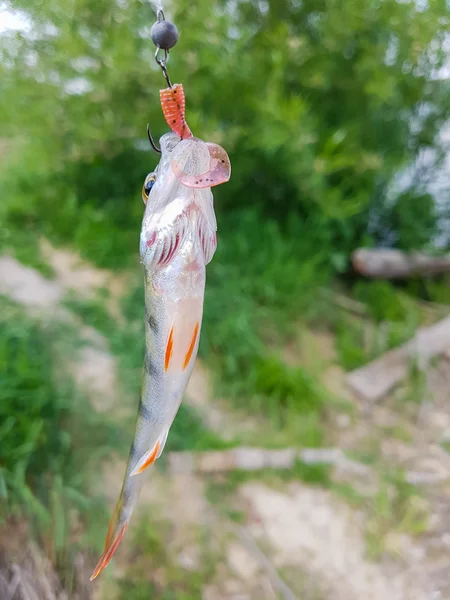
x=150 y=457
x=163 y=443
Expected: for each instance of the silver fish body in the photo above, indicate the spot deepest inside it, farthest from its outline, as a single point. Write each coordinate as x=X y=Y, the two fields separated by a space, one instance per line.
x=178 y=239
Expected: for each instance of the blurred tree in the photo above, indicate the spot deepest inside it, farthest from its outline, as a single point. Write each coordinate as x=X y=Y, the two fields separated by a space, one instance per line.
x=319 y=103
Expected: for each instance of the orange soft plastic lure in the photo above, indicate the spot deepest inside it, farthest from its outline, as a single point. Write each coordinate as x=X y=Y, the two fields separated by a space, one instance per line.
x=212 y=165
x=173 y=107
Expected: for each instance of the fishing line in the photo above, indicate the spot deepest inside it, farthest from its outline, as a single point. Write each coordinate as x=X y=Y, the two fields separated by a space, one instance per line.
x=157 y=6
x=164 y=35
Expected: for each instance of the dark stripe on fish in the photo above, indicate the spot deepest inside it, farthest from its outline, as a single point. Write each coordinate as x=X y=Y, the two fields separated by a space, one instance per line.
x=152 y=323
x=149 y=366
x=126 y=492
x=133 y=452
x=144 y=412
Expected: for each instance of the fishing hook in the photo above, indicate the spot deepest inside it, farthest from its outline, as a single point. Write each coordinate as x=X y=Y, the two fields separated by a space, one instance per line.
x=167 y=37
x=154 y=146
x=164 y=35
x=162 y=63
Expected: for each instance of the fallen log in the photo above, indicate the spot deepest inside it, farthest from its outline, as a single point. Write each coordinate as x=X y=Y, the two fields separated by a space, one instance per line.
x=387 y=263
x=373 y=381
x=254 y=459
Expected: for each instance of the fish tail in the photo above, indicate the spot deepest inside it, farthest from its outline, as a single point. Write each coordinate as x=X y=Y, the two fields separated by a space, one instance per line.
x=115 y=533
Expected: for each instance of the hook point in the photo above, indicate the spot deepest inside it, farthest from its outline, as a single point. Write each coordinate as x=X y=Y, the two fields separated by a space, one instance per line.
x=152 y=143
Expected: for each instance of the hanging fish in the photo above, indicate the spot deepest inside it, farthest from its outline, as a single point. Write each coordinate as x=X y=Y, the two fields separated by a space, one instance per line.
x=178 y=240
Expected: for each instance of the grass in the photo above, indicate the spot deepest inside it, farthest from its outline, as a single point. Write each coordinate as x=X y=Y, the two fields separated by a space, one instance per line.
x=393 y=317
x=19 y=234
x=397 y=508
x=400 y=433
x=302 y=579
x=368 y=451
x=349 y=494
x=317 y=474
x=416 y=386
x=50 y=438
x=156 y=572
x=221 y=488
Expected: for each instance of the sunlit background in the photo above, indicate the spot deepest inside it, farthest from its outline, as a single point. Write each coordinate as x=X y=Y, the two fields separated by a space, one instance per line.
x=335 y=115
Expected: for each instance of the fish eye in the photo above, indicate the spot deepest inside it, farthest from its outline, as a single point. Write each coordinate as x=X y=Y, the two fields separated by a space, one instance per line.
x=147 y=187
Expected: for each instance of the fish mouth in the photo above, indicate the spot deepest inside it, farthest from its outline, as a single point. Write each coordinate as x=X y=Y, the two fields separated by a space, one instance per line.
x=168 y=142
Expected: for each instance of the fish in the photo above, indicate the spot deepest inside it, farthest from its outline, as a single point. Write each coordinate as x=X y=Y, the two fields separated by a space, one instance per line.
x=178 y=239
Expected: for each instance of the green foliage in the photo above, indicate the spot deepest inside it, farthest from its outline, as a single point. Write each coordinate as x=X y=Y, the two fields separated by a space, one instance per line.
x=291 y=397
x=414 y=220
x=46 y=432
x=334 y=99
x=33 y=409
x=348 y=493
x=259 y=278
x=392 y=319
x=396 y=508
x=439 y=291
x=350 y=343
x=222 y=487
x=446 y=446
x=416 y=387
x=181 y=588
x=317 y=474
x=385 y=302
x=152 y=547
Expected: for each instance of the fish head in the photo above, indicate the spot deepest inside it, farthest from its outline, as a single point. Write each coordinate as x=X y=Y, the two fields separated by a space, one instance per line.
x=190 y=163
x=187 y=169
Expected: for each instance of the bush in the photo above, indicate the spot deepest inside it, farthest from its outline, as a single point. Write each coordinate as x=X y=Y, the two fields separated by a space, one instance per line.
x=47 y=430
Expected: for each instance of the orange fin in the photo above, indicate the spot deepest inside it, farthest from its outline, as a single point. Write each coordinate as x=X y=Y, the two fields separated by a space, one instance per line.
x=191 y=347
x=169 y=350
x=173 y=107
x=162 y=444
x=150 y=460
x=113 y=524
x=110 y=548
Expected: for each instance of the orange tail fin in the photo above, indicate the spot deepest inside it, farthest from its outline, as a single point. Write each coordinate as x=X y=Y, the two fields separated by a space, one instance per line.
x=111 y=543
x=173 y=106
